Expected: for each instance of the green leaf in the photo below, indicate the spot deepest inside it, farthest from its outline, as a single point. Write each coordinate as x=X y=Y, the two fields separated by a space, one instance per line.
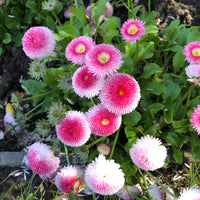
x=193 y=36
x=59 y=7
x=11 y=23
x=178 y=156
x=17 y=38
x=32 y=5
x=150 y=69
x=178 y=60
x=87 y=31
x=152 y=29
x=17 y=12
x=154 y=108
x=80 y=14
x=110 y=35
x=98 y=9
x=168 y=115
x=132 y=118
x=130 y=133
x=128 y=168
x=7 y=38
x=110 y=23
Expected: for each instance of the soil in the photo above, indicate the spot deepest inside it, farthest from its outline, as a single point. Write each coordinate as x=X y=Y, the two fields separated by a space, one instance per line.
x=14 y=67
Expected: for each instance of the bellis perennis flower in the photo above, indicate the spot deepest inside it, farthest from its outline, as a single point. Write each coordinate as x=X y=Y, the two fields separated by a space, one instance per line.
x=103 y=149
x=102 y=122
x=67 y=14
x=120 y=94
x=132 y=30
x=103 y=59
x=41 y=159
x=73 y=130
x=123 y=193
x=66 y=179
x=104 y=176
x=86 y=83
x=38 y=42
x=77 y=49
x=148 y=153
x=195 y=119
x=190 y=194
x=193 y=72
x=156 y=193
x=192 y=52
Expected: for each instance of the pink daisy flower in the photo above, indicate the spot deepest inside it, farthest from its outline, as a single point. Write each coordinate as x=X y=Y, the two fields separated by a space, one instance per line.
x=132 y=30
x=123 y=193
x=192 y=52
x=190 y=194
x=73 y=130
x=103 y=59
x=8 y=118
x=103 y=149
x=77 y=49
x=104 y=176
x=195 y=119
x=38 y=42
x=156 y=193
x=102 y=122
x=120 y=94
x=109 y=10
x=86 y=83
x=41 y=159
x=66 y=179
x=148 y=153
x=193 y=72
x=67 y=14
x=48 y=177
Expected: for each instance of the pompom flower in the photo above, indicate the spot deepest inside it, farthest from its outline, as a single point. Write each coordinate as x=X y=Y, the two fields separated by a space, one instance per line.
x=192 y=52
x=73 y=130
x=132 y=30
x=193 y=72
x=41 y=159
x=103 y=149
x=8 y=118
x=190 y=194
x=148 y=153
x=109 y=10
x=66 y=179
x=103 y=59
x=77 y=49
x=156 y=193
x=103 y=122
x=85 y=83
x=123 y=193
x=120 y=94
x=104 y=176
x=195 y=119
x=38 y=42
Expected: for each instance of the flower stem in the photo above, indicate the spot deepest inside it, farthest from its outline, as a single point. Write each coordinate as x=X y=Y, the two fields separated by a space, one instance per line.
x=37 y=96
x=149 y=7
x=33 y=109
x=96 y=141
x=54 y=146
x=93 y=195
x=114 y=144
x=67 y=155
x=54 y=14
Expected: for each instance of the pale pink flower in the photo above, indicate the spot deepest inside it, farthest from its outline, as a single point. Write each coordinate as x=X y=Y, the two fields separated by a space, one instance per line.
x=190 y=194
x=73 y=130
x=104 y=176
x=195 y=119
x=192 y=52
x=67 y=14
x=109 y=10
x=103 y=149
x=148 y=153
x=38 y=42
x=132 y=30
x=103 y=122
x=120 y=93
x=155 y=192
x=66 y=179
x=77 y=49
x=123 y=193
x=48 y=177
x=193 y=72
x=1 y=135
x=41 y=159
x=103 y=59
x=8 y=118
x=85 y=83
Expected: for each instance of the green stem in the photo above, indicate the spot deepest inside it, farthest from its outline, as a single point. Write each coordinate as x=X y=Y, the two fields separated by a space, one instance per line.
x=114 y=144
x=76 y=3
x=128 y=9
x=149 y=8
x=164 y=188
x=37 y=96
x=36 y=113
x=33 y=109
x=54 y=14
x=94 y=195
x=67 y=155
x=54 y=146
x=96 y=141
x=188 y=104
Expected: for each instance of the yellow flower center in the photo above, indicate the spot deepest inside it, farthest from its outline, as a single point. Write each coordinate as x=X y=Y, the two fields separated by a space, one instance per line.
x=86 y=77
x=121 y=92
x=132 y=29
x=196 y=52
x=80 y=48
x=105 y=122
x=104 y=57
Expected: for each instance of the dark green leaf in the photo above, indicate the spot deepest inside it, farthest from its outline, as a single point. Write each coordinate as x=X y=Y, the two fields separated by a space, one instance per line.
x=178 y=60
x=150 y=69
x=178 y=156
x=80 y=14
x=110 y=35
x=7 y=38
x=132 y=118
x=98 y=9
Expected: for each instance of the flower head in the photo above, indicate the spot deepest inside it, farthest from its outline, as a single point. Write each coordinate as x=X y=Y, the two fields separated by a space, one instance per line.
x=103 y=122
x=109 y=10
x=193 y=72
x=65 y=82
x=66 y=179
x=195 y=119
x=73 y=130
x=190 y=194
x=49 y=5
x=156 y=193
x=77 y=49
x=67 y=14
x=192 y=52
x=103 y=59
x=132 y=30
x=103 y=149
x=42 y=127
x=104 y=176
x=38 y=42
x=120 y=94
x=85 y=83
x=148 y=153
x=41 y=159
x=123 y=193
